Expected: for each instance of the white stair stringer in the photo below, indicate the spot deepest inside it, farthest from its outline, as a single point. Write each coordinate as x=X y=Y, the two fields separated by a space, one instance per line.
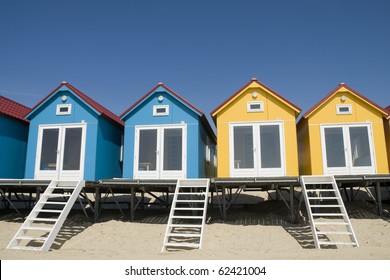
x=328 y=218
x=47 y=217
x=187 y=217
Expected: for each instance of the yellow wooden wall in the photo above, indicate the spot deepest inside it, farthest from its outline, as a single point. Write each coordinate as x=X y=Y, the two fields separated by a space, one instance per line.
x=274 y=109
x=387 y=135
x=362 y=112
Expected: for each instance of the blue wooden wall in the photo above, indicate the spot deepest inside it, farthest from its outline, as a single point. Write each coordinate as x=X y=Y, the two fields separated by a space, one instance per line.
x=13 y=147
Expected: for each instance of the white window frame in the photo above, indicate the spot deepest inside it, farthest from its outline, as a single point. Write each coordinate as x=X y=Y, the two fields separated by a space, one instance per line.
x=349 y=169
x=159 y=173
x=251 y=110
x=61 y=106
x=59 y=173
x=156 y=113
x=338 y=106
x=257 y=171
x=208 y=149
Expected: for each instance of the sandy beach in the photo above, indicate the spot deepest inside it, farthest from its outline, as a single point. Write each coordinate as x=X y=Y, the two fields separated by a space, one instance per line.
x=260 y=231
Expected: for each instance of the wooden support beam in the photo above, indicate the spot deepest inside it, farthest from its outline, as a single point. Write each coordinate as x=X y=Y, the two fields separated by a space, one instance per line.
x=97 y=205
x=379 y=198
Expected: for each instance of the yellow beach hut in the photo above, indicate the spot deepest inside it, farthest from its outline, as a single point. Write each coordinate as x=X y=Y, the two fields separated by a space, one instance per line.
x=387 y=133
x=256 y=134
x=343 y=134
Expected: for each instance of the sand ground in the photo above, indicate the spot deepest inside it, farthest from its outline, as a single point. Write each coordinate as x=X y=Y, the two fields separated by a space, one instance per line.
x=259 y=231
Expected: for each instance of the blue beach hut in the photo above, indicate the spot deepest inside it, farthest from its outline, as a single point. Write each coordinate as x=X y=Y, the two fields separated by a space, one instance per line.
x=166 y=137
x=13 y=138
x=72 y=137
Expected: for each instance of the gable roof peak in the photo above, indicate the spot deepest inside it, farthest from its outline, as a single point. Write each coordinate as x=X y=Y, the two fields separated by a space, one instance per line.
x=338 y=89
x=342 y=84
x=86 y=99
x=160 y=83
x=249 y=85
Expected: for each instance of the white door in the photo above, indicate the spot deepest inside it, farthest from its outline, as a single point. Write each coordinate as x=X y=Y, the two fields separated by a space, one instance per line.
x=60 y=152
x=256 y=149
x=347 y=149
x=160 y=152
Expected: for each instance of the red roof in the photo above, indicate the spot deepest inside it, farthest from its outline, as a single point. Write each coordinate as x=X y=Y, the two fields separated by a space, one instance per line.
x=312 y=109
x=13 y=109
x=99 y=108
x=387 y=109
x=296 y=108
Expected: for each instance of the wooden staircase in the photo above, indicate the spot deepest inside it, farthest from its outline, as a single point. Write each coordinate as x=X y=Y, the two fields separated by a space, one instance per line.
x=188 y=214
x=47 y=217
x=329 y=220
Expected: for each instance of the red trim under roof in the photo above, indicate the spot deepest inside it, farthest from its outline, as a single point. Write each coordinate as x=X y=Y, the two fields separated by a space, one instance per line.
x=296 y=108
x=315 y=107
x=178 y=97
x=153 y=90
x=13 y=109
x=99 y=108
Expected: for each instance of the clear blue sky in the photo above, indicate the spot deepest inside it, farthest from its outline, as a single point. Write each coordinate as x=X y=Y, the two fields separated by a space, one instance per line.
x=116 y=51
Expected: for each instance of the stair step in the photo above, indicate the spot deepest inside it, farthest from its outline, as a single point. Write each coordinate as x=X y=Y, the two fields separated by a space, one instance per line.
x=184 y=226
x=334 y=232
x=187 y=217
x=324 y=198
x=188 y=208
x=185 y=234
x=30 y=238
x=328 y=214
x=321 y=190
x=56 y=195
x=48 y=211
x=62 y=188
x=44 y=219
x=190 y=200
x=192 y=193
x=52 y=202
x=192 y=245
x=336 y=243
x=37 y=228
x=325 y=206
x=331 y=223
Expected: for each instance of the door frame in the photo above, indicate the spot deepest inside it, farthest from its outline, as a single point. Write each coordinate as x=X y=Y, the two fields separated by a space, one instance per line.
x=159 y=173
x=349 y=169
x=257 y=170
x=58 y=173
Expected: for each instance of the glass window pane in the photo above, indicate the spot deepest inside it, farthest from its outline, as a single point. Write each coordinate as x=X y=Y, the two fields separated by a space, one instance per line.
x=270 y=146
x=147 y=149
x=243 y=147
x=334 y=144
x=49 y=149
x=173 y=149
x=72 y=148
x=360 y=147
